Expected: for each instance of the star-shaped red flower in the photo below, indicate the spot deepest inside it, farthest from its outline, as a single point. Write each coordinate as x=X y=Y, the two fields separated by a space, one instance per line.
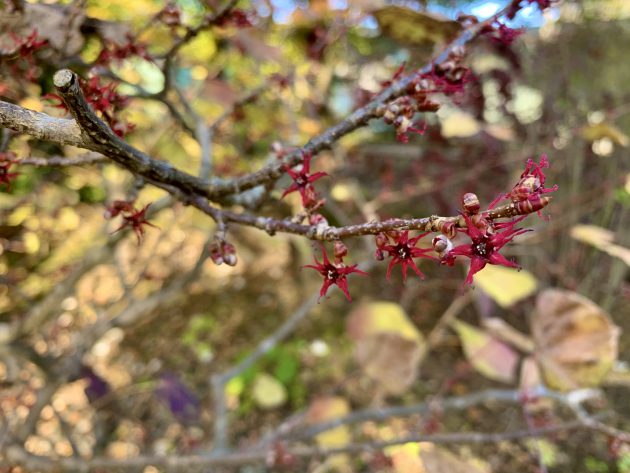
x=403 y=250
x=303 y=181
x=136 y=219
x=485 y=247
x=334 y=274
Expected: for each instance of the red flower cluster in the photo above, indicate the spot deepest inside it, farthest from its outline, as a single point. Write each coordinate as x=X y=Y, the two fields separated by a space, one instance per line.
x=485 y=246
x=528 y=191
x=236 y=17
x=105 y=100
x=402 y=250
x=6 y=161
x=502 y=34
x=449 y=78
x=113 y=52
x=303 y=183
x=25 y=49
x=334 y=273
x=132 y=217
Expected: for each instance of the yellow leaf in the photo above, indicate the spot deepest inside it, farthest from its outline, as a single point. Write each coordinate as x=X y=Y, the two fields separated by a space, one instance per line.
x=459 y=125
x=491 y=357
x=268 y=392
x=602 y=239
x=389 y=347
x=328 y=408
x=380 y=317
x=605 y=130
x=505 y=286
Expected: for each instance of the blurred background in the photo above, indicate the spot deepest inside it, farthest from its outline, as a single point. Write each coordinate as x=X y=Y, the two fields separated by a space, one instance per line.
x=145 y=382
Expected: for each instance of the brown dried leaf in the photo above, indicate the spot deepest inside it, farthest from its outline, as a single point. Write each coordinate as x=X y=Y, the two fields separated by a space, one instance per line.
x=576 y=341
x=390 y=360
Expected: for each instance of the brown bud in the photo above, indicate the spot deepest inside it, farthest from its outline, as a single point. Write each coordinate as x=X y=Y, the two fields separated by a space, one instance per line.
x=470 y=203
x=340 y=249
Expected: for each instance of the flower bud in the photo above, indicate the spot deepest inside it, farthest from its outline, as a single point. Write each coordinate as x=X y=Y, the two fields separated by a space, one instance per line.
x=470 y=203
x=340 y=250
x=441 y=244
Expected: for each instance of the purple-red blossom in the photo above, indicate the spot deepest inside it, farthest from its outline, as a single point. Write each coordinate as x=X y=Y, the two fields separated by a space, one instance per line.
x=236 y=17
x=132 y=217
x=529 y=189
x=501 y=33
x=334 y=274
x=485 y=246
x=103 y=99
x=25 y=49
x=6 y=161
x=117 y=53
x=402 y=250
x=303 y=182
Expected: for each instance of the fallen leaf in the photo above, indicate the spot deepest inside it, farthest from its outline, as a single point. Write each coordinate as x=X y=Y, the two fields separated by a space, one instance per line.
x=491 y=357
x=325 y=409
x=576 y=341
x=268 y=392
x=506 y=286
x=388 y=345
x=440 y=460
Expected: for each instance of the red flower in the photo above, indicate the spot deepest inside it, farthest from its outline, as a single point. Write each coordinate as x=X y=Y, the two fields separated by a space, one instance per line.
x=531 y=186
x=303 y=180
x=402 y=251
x=503 y=34
x=6 y=161
x=103 y=99
x=114 y=52
x=136 y=219
x=485 y=246
x=334 y=274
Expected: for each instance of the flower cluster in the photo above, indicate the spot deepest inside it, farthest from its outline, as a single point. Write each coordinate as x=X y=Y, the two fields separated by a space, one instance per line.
x=113 y=52
x=502 y=34
x=486 y=241
x=22 y=60
x=402 y=250
x=335 y=273
x=132 y=217
x=487 y=236
x=528 y=193
x=6 y=161
x=449 y=78
x=105 y=100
